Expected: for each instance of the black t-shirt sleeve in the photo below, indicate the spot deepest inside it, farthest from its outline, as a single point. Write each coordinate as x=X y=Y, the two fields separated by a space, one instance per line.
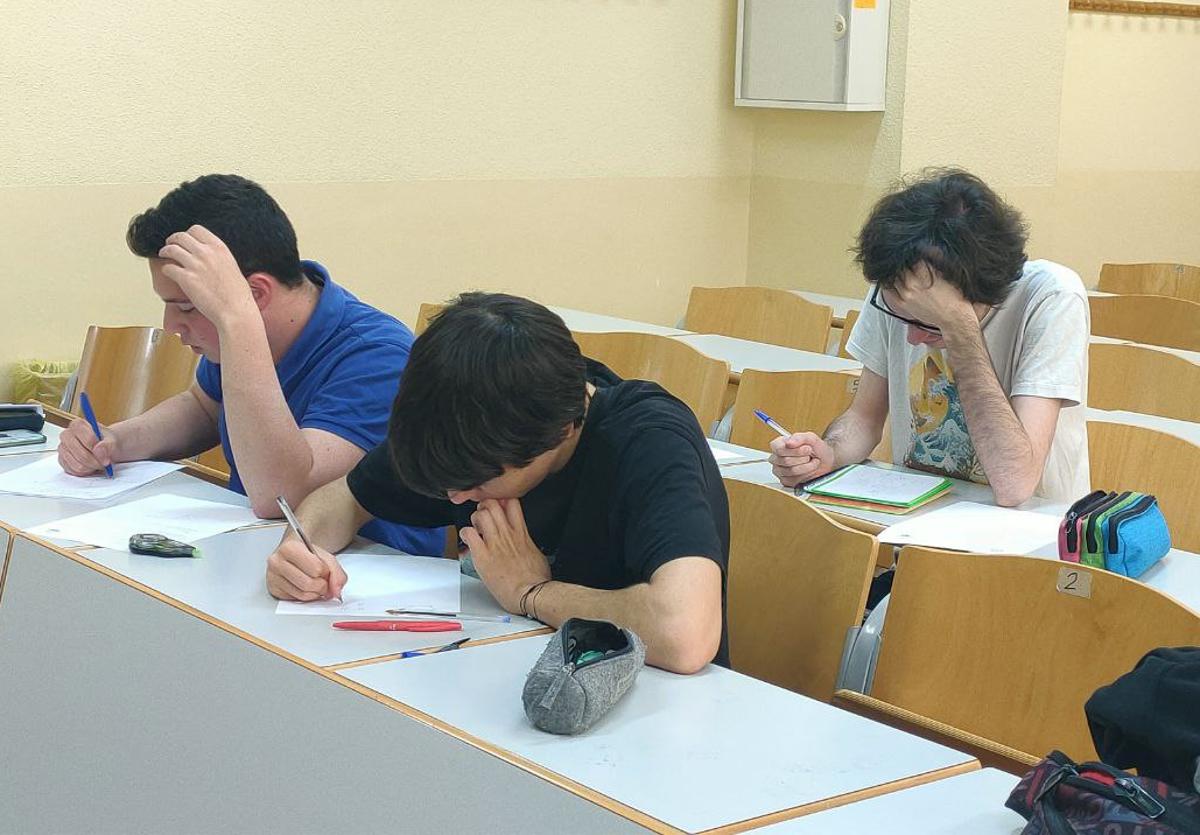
x=374 y=485
x=670 y=506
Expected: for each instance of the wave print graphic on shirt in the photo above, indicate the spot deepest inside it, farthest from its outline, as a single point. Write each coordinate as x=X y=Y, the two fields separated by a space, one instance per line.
x=940 y=443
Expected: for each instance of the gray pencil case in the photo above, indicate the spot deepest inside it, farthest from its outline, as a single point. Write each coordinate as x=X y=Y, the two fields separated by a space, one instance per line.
x=585 y=669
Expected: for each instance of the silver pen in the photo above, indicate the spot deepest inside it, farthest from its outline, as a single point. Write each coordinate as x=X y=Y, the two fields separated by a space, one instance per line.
x=294 y=524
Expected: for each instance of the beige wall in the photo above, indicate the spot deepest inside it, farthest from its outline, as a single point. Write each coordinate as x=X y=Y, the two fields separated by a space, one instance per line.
x=1128 y=184
x=584 y=153
x=1088 y=123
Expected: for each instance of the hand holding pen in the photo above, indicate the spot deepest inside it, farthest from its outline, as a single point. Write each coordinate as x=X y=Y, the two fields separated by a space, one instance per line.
x=301 y=571
x=797 y=457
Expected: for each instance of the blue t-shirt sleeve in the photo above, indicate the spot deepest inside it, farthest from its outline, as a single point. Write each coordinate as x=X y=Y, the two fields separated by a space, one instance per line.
x=208 y=376
x=355 y=399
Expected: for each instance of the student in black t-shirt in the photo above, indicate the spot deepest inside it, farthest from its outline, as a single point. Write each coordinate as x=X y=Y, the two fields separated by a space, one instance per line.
x=578 y=494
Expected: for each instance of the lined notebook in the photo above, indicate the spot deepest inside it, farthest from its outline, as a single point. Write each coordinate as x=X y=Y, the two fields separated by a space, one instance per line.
x=875 y=488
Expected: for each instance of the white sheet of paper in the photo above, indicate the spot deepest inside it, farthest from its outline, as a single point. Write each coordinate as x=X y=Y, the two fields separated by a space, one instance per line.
x=49 y=445
x=173 y=516
x=724 y=454
x=378 y=582
x=45 y=477
x=968 y=526
x=881 y=485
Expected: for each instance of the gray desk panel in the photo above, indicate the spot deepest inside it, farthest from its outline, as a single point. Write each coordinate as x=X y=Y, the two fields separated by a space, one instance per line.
x=228 y=583
x=142 y=718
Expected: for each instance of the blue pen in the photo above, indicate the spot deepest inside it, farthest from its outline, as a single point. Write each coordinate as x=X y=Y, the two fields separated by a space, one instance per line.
x=771 y=422
x=415 y=653
x=90 y=416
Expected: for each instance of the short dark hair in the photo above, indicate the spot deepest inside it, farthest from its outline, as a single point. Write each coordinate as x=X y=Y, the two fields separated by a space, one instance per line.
x=951 y=220
x=236 y=210
x=493 y=382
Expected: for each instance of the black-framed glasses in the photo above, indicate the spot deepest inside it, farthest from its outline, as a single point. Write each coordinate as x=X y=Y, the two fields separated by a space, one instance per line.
x=880 y=304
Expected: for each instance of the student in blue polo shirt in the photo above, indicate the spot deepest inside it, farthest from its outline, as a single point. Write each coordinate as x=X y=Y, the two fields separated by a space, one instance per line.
x=297 y=376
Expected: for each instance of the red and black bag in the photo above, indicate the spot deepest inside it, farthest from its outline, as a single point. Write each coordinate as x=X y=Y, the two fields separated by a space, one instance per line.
x=1060 y=797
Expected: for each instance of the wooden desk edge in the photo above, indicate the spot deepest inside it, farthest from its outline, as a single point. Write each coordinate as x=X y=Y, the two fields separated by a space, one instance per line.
x=847 y=798
x=988 y=752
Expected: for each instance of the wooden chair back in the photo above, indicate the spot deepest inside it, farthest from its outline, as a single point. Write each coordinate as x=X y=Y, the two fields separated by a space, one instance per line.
x=797 y=582
x=1124 y=457
x=763 y=314
x=1153 y=320
x=991 y=646
x=1180 y=281
x=799 y=400
x=696 y=379
x=126 y=371
x=427 y=312
x=1134 y=378
x=847 y=329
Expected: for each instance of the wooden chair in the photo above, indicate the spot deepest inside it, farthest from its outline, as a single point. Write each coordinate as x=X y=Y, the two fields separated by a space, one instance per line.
x=1124 y=457
x=126 y=371
x=763 y=314
x=847 y=328
x=990 y=646
x=696 y=379
x=1135 y=378
x=1153 y=320
x=797 y=582
x=800 y=400
x=427 y=312
x=1180 y=281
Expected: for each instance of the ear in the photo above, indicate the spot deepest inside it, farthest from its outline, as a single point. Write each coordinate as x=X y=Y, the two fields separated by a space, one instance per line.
x=263 y=288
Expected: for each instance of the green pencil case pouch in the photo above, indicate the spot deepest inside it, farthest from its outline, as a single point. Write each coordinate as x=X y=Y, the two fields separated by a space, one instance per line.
x=1092 y=550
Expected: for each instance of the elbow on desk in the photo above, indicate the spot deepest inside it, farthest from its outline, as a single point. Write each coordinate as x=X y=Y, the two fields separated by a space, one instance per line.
x=686 y=651
x=1012 y=495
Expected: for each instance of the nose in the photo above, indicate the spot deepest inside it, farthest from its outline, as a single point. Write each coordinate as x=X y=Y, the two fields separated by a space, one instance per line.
x=460 y=496
x=920 y=336
x=171 y=323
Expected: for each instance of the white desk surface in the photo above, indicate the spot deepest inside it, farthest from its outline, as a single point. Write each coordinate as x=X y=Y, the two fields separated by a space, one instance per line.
x=50 y=444
x=28 y=511
x=1191 y=356
x=585 y=322
x=744 y=353
x=227 y=583
x=759 y=472
x=841 y=304
x=693 y=751
x=1185 y=429
x=728 y=454
x=965 y=803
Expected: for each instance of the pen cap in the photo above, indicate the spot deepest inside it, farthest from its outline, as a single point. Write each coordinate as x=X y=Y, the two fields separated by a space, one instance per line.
x=585 y=669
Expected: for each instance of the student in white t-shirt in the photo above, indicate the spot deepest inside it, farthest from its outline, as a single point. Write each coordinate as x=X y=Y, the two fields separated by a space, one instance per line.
x=978 y=355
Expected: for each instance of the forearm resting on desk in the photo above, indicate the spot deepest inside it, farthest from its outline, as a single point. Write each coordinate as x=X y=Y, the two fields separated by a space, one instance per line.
x=178 y=427
x=677 y=614
x=331 y=516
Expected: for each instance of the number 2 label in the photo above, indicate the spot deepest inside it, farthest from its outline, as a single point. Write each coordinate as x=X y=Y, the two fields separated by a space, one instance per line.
x=1075 y=581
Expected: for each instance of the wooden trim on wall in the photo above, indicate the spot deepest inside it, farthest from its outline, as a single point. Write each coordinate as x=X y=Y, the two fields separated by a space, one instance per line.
x=1135 y=7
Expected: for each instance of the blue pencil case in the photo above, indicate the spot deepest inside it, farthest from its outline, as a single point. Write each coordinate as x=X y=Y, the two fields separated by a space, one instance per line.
x=1135 y=537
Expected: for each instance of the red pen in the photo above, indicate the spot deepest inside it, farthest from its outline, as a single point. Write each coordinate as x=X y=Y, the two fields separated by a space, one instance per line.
x=399 y=625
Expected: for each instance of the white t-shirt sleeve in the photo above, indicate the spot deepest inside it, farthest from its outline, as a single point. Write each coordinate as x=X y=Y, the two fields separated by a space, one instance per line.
x=868 y=340
x=1053 y=356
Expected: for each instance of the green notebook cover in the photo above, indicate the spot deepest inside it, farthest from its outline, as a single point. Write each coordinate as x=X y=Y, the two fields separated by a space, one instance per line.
x=826 y=487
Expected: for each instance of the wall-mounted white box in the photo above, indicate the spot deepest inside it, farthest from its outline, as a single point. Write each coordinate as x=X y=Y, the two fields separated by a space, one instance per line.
x=811 y=54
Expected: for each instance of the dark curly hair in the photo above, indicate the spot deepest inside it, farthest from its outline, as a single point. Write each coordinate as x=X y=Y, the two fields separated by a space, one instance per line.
x=955 y=223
